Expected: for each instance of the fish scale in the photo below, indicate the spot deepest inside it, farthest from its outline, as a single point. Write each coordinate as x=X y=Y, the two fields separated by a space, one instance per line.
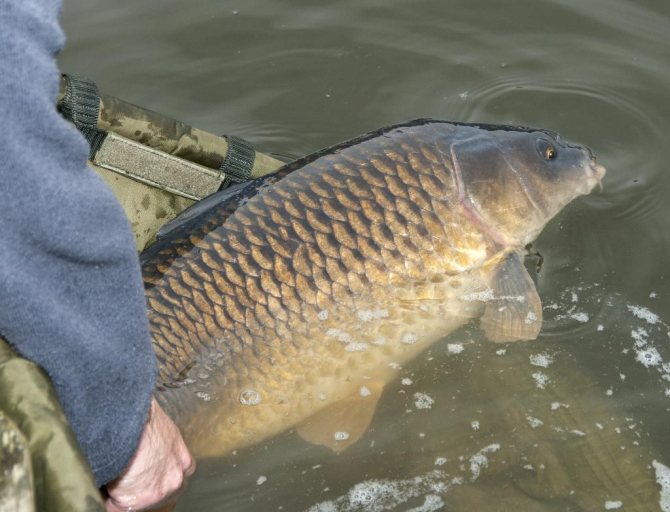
x=274 y=292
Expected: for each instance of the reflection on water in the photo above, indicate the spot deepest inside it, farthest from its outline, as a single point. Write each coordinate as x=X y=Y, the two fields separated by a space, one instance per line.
x=577 y=420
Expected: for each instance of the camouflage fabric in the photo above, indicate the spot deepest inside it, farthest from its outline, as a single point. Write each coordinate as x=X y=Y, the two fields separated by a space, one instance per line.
x=32 y=421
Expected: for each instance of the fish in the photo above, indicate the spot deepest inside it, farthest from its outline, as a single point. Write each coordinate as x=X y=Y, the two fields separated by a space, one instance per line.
x=292 y=300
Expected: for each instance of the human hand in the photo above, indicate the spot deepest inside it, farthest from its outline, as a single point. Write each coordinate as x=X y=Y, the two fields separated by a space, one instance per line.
x=156 y=471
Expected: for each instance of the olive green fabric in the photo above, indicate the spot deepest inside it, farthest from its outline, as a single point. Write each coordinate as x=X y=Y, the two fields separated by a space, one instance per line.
x=16 y=474
x=63 y=481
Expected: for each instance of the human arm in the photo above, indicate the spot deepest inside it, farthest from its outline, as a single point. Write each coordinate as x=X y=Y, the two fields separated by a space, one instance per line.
x=71 y=297
x=156 y=470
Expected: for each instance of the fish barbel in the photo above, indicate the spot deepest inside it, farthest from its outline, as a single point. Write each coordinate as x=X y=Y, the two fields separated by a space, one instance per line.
x=288 y=301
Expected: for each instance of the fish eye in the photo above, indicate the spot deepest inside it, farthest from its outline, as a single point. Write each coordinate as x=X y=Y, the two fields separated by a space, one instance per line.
x=546 y=149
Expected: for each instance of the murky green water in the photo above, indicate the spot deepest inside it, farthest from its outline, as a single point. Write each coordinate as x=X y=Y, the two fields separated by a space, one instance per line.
x=579 y=419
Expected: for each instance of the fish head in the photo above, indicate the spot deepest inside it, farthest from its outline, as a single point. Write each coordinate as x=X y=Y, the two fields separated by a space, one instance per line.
x=512 y=181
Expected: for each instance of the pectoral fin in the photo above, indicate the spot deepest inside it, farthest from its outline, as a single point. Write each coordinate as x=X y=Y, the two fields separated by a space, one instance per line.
x=515 y=313
x=341 y=424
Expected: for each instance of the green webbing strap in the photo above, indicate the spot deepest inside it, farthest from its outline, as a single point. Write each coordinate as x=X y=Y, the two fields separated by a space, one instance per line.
x=81 y=106
x=239 y=161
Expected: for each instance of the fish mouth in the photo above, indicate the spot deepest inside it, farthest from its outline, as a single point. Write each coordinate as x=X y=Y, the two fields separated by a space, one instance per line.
x=597 y=174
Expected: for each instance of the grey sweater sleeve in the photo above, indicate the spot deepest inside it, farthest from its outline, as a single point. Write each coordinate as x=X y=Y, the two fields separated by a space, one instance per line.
x=71 y=296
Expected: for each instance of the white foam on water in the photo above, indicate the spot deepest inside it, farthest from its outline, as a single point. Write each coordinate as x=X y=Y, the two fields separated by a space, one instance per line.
x=541 y=380
x=600 y=327
x=534 y=422
x=261 y=480
x=364 y=391
x=640 y=336
x=431 y=503
x=340 y=335
x=409 y=338
x=485 y=296
x=644 y=314
x=322 y=315
x=652 y=295
x=580 y=316
x=406 y=381
x=543 y=360
x=455 y=348
x=368 y=315
x=480 y=461
x=663 y=479
x=613 y=505
x=557 y=405
x=356 y=347
x=204 y=396
x=475 y=425
x=649 y=357
x=423 y=401
x=341 y=436
x=440 y=461
x=501 y=351
x=383 y=494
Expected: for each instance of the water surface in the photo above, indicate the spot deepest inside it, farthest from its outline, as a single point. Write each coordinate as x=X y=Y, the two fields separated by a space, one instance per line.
x=469 y=425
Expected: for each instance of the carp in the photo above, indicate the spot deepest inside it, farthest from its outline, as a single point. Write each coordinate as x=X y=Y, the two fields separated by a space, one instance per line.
x=290 y=301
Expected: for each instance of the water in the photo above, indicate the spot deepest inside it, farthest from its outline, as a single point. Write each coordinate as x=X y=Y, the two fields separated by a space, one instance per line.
x=579 y=419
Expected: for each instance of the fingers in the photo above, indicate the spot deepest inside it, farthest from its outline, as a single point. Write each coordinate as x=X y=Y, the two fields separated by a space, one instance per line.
x=158 y=469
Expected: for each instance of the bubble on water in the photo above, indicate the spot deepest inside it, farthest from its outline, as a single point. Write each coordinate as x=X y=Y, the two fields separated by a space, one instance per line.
x=250 y=397
x=600 y=327
x=205 y=397
x=543 y=360
x=440 y=461
x=364 y=391
x=609 y=392
x=455 y=348
x=356 y=347
x=644 y=314
x=574 y=298
x=530 y=318
x=323 y=314
x=341 y=436
x=409 y=338
x=423 y=401
x=663 y=479
x=406 y=381
x=380 y=341
x=649 y=357
x=475 y=425
x=557 y=405
x=541 y=380
x=613 y=505
x=501 y=351
x=261 y=480
x=652 y=295
x=368 y=315
x=534 y=422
